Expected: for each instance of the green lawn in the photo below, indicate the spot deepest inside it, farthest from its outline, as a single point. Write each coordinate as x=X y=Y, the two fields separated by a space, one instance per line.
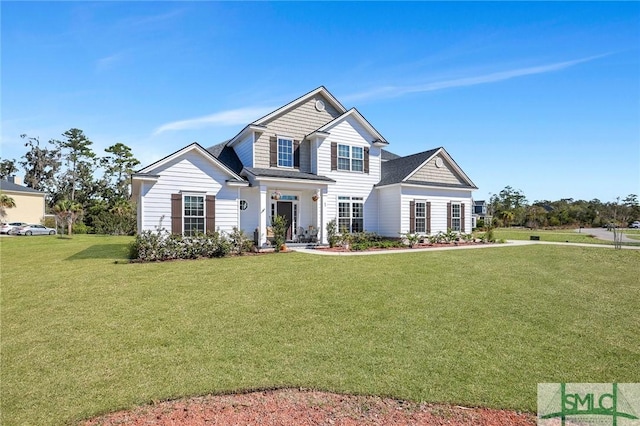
x=633 y=234
x=558 y=236
x=82 y=335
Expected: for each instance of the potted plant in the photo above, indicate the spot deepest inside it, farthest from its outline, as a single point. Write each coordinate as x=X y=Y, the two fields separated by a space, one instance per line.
x=315 y=196
x=276 y=195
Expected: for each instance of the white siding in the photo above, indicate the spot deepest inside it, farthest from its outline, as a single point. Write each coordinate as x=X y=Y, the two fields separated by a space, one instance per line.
x=353 y=184
x=249 y=218
x=439 y=199
x=188 y=173
x=389 y=210
x=244 y=150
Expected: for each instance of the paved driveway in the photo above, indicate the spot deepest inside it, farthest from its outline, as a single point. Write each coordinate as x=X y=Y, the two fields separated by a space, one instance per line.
x=604 y=234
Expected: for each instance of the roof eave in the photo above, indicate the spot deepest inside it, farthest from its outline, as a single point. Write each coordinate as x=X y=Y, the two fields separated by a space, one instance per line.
x=257 y=128
x=292 y=180
x=318 y=134
x=193 y=146
x=426 y=185
x=237 y=183
x=379 y=140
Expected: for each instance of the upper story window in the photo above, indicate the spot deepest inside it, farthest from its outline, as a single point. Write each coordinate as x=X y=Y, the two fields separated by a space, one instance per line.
x=350 y=158
x=285 y=152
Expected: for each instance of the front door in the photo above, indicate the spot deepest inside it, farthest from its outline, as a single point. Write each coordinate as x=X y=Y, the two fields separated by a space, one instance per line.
x=285 y=208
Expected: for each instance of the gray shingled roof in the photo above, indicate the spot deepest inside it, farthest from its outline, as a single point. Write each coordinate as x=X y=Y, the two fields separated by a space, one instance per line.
x=5 y=185
x=394 y=171
x=386 y=155
x=287 y=174
x=227 y=156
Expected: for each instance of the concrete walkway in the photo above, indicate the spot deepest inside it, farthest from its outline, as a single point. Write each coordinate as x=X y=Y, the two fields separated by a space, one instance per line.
x=510 y=243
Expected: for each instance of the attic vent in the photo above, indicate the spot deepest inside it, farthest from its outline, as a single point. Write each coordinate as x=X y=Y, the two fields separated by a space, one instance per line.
x=438 y=162
x=319 y=105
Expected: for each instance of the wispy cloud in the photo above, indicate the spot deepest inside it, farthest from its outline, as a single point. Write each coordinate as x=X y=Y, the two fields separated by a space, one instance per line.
x=143 y=21
x=107 y=62
x=224 y=118
x=396 y=91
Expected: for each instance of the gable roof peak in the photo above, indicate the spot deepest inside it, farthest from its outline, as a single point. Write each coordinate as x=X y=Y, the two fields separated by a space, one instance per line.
x=360 y=118
x=318 y=91
x=194 y=146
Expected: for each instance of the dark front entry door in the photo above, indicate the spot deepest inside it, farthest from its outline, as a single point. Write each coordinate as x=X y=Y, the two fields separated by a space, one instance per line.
x=285 y=208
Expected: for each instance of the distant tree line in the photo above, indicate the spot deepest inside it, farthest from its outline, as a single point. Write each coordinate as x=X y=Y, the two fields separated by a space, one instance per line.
x=86 y=192
x=511 y=208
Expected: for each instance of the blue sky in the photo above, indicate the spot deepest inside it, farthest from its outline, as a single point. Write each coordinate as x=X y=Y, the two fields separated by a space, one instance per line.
x=544 y=97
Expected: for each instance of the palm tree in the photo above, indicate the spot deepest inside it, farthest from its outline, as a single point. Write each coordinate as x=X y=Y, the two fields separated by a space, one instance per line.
x=507 y=217
x=6 y=202
x=121 y=210
x=68 y=211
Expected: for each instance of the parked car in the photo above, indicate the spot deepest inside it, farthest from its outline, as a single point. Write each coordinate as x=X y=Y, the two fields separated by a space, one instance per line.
x=635 y=224
x=35 y=230
x=11 y=227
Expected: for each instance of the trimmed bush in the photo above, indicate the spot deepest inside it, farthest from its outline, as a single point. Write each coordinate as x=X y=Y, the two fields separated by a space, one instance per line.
x=161 y=245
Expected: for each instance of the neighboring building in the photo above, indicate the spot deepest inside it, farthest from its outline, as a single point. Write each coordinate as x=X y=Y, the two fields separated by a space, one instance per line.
x=311 y=161
x=30 y=204
x=479 y=212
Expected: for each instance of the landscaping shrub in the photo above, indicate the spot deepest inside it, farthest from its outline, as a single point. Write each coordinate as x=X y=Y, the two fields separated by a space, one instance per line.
x=359 y=241
x=279 y=225
x=332 y=233
x=152 y=246
x=81 y=228
x=239 y=241
x=411 y=238
x=49 y=222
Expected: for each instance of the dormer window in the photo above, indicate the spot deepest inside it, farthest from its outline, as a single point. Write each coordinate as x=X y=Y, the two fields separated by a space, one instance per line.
x=285 y=152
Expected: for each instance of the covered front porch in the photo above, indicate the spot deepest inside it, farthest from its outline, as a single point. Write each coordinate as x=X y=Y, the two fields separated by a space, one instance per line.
x=302 y=202
x=302 y=209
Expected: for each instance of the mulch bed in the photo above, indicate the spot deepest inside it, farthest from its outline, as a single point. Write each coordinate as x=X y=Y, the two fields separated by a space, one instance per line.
x=307 y=407
x=417 y=246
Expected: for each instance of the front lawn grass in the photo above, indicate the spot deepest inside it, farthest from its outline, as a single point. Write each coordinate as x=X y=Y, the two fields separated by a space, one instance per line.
x=634 y=234
x=83 y=336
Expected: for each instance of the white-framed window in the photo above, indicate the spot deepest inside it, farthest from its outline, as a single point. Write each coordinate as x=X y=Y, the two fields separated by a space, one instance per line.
x=350 y=158
x=344 y=157
x=455 y=216
x=285 y=152
x=350 y=214
x=193 y=214
x=357 y=159
x=420 y=217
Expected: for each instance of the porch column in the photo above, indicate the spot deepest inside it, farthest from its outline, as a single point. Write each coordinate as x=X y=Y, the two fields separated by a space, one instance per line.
x=322 y=217
x=262 y=221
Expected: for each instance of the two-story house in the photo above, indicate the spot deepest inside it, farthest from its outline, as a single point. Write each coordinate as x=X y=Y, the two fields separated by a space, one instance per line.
x=311 y=161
